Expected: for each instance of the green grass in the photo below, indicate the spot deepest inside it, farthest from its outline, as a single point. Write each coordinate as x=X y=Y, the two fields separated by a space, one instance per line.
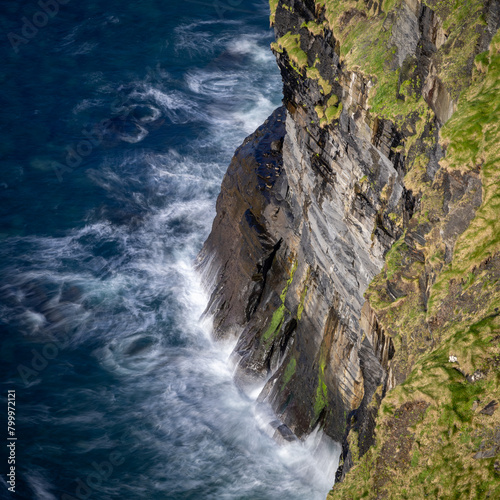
x=472 y=137
x=300 y=308
x=449 y=432
x=314 y=28
x=365 y=47
x=275 y=324
x=333 y=113
x=279 y=314
x=426 y=333
x=333 y=100
x=395 y=256
x=291 y=43
x=314 y=74
x=461 y=20
x=321 y=399
x=289 y=372
x=273 y=4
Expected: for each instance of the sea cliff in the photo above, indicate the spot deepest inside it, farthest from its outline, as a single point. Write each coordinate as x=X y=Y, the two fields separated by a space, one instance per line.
x=354 y=256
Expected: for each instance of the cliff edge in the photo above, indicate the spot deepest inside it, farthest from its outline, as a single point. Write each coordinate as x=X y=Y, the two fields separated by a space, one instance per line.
x=354 y=256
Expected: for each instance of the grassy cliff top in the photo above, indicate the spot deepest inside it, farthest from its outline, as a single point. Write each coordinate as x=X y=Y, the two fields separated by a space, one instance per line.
x=368 y=42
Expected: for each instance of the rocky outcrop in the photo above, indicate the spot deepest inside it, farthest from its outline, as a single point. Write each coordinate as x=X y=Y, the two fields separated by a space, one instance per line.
x=339 y=218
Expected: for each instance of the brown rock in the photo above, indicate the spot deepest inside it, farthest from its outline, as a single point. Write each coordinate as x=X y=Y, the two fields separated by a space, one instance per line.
x=490 y=408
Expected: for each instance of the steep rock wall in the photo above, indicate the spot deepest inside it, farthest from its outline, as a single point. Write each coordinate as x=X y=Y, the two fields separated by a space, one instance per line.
x=339 y=220
x=312 y=242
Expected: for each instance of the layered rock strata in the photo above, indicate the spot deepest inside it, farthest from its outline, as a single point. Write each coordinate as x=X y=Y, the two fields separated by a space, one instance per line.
x=342 y=219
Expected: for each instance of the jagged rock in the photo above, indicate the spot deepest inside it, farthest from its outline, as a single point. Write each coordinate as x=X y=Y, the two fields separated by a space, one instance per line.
x=490 y=408
x=490 y=453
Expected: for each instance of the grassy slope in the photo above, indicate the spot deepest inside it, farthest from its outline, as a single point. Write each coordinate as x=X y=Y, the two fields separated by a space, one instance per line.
x=437 y=437
x=364 y=38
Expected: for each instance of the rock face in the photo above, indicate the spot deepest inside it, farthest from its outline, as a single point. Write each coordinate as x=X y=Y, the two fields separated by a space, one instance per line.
x=341 y=217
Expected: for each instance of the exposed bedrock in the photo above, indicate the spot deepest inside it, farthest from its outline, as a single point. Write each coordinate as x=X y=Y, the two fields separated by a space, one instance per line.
x=298 y=236
x=313 y=201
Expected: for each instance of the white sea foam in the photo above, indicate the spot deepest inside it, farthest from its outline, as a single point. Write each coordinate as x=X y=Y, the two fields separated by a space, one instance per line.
x=215 y=83
x=167 y=100
x=84 y=48
x=136 y=136
x=40 y=485
x=254 y=117
x=88 y=103
x=252 y=46
x=190 y=41
x=178 y=107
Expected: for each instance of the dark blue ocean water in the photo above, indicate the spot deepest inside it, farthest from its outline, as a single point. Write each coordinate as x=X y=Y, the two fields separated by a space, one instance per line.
x=118 y=120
